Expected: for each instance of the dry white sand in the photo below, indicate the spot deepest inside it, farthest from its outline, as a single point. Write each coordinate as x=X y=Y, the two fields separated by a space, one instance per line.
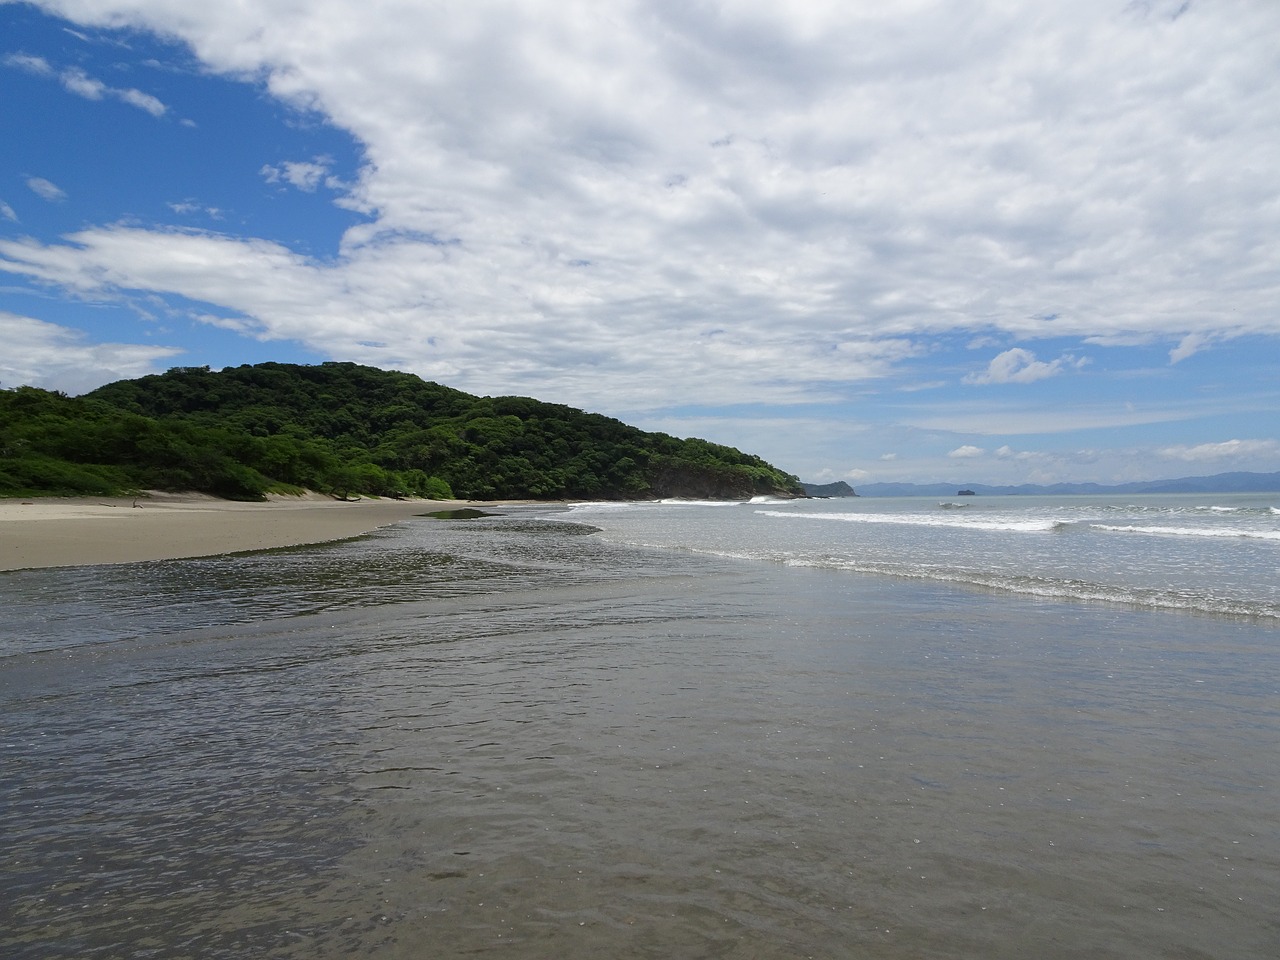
x=61 y=532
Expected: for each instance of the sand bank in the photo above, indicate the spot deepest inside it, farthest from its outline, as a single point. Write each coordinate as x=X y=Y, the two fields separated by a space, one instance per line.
x=61 y=532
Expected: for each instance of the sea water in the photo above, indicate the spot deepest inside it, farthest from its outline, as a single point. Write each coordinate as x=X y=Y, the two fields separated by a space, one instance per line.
x=880 y=728
x=1210 y=553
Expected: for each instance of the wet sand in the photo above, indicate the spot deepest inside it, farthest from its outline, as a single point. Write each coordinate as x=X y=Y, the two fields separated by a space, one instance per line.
x=77 y=531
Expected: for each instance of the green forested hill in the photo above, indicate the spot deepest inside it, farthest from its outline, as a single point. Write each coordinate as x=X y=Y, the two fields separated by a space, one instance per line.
x=345 y=429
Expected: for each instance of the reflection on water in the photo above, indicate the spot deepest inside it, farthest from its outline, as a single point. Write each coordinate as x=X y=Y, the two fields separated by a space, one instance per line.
x=547 y=747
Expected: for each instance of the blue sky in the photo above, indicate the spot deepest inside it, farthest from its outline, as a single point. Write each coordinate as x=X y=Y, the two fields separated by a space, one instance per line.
x=995 y=242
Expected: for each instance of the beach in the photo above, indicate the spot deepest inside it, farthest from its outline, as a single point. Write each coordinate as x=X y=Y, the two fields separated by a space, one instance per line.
x=76 y=531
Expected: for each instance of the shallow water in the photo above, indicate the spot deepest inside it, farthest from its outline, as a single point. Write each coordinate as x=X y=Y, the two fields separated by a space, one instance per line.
x=509 y=735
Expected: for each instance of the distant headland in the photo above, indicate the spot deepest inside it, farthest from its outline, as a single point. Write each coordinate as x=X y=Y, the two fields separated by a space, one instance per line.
x=347 y=430
x=837 y=489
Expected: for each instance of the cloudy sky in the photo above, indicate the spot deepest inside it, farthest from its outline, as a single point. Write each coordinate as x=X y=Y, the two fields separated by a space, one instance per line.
x=971 y=240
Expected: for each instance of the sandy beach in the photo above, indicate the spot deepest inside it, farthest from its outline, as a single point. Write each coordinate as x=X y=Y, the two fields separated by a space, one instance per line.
x=61 y=532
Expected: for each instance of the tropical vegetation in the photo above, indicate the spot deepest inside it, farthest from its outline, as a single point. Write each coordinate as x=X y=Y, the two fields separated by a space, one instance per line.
x=346 y=430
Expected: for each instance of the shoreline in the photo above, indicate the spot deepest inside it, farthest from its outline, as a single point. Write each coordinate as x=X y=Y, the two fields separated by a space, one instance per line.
x=88 y=531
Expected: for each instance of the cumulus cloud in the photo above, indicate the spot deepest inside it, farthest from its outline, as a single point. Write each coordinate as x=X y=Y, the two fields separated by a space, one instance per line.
x=46 y=189
x=566 y=199
x=1226 y=450
x=1021 y=366
x=415 y=296
x=57 y=358
x=966 y=452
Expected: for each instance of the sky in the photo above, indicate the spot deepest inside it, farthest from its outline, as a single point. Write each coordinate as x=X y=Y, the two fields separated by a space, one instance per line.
x=990 y=241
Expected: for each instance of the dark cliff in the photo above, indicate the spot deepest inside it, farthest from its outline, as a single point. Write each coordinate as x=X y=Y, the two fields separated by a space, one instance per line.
x=837 y=489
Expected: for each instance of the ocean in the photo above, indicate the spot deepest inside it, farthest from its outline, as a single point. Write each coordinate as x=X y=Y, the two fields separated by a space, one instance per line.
x=883 y=728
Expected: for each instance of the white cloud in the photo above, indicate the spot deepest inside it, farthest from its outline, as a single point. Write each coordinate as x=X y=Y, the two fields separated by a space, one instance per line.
x=1021 y=366
x=566 y=199
x=75 y=80
x=143 y=101
x=1007 y=452
x=412 y=296
x=46 y=189
x=1191 y=344
x=966 y=452
x=1226 y=450
x=82 y=85
x=304 y=175
x=189 y=206
x=993 y=420
x=30 y=64
x=46 y=355
x=7 y=212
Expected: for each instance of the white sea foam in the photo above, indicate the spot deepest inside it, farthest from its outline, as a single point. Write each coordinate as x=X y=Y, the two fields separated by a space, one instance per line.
x=680 y=502
x=1030 y=525
x=1048 y=588
x=1216 y=532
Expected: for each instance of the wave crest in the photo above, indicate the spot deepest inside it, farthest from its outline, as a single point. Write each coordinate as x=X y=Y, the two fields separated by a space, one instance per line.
x=1010 y=525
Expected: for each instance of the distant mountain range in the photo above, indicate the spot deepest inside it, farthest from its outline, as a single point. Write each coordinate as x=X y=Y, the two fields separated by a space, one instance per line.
x=1218 y=483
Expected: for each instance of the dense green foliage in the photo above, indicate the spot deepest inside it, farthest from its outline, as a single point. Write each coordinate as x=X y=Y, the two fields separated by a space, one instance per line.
x=346 y=429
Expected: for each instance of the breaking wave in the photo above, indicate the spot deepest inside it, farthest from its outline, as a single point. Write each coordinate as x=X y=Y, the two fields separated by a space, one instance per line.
x=1009 y=524
x=1212 y=532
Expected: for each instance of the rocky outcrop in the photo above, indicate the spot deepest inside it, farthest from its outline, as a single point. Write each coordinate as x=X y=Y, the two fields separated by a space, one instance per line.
x=837 y=489
x=700 y=482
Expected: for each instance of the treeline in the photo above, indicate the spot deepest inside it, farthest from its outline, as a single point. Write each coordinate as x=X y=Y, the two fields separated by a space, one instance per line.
x=346 y=429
